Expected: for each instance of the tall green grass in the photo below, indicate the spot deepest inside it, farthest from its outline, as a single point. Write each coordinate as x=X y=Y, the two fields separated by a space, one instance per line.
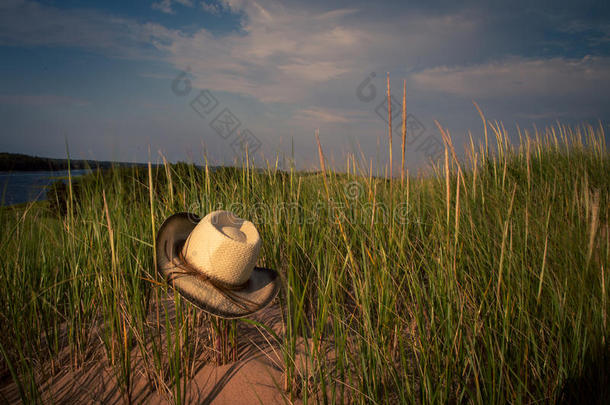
x=485 y=281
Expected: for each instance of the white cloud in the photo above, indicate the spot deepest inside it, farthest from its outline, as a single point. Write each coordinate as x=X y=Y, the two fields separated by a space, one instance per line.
x=282 y=53
x=278 y=57
x=313 y=72
x=329 y=115
x=33 y=24
x=211 y=8
x=166 y=6
x=520 y=77
x=286 y=52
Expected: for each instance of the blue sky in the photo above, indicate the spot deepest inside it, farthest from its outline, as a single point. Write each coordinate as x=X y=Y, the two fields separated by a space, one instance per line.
x=102 y=75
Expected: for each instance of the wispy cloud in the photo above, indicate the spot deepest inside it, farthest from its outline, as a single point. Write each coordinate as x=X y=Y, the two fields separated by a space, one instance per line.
x=33 y=24
x=328 y=115
x=283 y=52
x=166 y=6
x=212 y=8
x=520 y=77
x=38 y=100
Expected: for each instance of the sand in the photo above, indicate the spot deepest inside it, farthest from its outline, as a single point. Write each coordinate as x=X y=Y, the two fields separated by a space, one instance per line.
x=256 y=377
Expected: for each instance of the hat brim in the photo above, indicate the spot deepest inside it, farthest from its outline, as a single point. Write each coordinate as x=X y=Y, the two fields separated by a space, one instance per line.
x=258 y=291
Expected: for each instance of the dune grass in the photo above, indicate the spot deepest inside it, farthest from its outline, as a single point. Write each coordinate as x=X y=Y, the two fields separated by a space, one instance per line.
x=483 y=282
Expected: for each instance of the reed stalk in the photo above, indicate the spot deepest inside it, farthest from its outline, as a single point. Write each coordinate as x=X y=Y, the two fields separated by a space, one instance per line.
x=389 y=122
x=404 y=131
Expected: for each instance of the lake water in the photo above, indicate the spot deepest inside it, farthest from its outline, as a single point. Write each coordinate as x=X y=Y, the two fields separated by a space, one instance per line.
x=20 y=187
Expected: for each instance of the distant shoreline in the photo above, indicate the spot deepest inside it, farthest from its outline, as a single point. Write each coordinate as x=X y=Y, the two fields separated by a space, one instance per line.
x=17 y=162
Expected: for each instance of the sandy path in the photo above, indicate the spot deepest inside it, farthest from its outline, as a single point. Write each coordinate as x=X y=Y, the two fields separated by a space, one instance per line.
x=256 y=377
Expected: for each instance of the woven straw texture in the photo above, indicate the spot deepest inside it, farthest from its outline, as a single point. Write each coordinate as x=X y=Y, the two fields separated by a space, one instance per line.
x=222 y=247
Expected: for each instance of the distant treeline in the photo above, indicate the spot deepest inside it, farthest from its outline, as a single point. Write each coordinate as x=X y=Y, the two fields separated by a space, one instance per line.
x=20 y=162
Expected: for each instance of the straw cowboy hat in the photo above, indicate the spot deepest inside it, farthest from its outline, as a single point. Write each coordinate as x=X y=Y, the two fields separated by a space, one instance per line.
x=211 y=263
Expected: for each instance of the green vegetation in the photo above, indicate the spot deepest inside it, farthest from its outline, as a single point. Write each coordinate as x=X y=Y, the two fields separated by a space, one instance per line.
x=486 y=282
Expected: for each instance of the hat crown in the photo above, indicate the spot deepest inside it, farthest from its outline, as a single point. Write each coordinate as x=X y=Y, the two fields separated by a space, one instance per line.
x=223 y=247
